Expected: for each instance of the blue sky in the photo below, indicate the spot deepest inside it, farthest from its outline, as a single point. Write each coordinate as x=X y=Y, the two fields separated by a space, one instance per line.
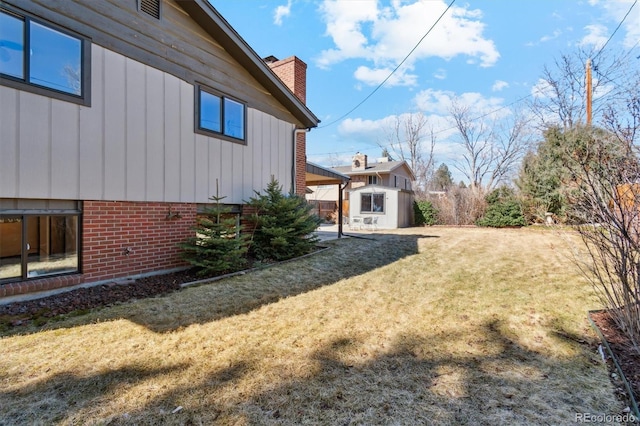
x=488 y=53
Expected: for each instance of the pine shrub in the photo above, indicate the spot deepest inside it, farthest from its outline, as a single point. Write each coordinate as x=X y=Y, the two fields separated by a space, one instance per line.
x=283 y=225
x=503 y=209
x=218 y=246
x=424 y=212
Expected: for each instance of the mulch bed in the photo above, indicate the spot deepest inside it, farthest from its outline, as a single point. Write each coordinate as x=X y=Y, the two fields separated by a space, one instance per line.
x=40 y=311
x=627 y=357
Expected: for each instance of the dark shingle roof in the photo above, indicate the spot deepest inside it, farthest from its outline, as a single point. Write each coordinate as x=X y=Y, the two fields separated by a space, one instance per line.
x=372 y=168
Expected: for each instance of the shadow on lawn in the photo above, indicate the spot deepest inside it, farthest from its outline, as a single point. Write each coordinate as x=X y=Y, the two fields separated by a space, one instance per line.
x=63 y=396
x=417 y=380
x=241 y=294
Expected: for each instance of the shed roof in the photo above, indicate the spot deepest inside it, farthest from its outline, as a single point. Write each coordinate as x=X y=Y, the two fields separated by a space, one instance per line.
x=374 y=168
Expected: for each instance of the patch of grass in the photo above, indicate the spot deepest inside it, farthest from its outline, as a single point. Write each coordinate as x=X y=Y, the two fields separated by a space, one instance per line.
x=432 y=326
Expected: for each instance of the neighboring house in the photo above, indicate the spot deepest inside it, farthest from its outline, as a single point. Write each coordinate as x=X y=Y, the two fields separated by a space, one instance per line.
x=119 y=120
x=380 y=191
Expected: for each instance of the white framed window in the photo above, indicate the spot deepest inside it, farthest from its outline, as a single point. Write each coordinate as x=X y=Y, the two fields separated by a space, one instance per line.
x=373 y=180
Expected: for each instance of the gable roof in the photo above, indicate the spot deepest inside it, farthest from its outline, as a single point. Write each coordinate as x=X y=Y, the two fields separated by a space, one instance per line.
x=205 y=15
x=375 y=168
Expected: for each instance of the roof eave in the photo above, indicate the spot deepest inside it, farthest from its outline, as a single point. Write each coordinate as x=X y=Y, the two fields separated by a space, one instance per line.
x=205 y=15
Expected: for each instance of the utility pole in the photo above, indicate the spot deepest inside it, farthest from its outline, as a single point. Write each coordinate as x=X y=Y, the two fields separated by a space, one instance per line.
x=589 y=90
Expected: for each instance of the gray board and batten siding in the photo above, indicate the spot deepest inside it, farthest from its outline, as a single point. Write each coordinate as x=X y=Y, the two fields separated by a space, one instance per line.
x=137 y=141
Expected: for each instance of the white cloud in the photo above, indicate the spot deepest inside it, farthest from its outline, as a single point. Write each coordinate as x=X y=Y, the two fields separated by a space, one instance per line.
x=614 y=12
x=440 y=74
x=499 y=85
x=440 y=101
x=281 y=12
x=542 y=89
x=596 y=36
x=375 y=76
x=554 y=35
x=384 y=35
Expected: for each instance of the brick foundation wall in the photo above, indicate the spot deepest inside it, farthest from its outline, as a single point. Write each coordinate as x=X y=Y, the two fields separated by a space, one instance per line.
x=109 y=228
x=44 y=284
x=121 y=239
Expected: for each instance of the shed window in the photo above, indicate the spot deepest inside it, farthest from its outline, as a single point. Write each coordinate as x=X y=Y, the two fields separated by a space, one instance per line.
x=221 y=115
x=372 y=203
x=55 y=62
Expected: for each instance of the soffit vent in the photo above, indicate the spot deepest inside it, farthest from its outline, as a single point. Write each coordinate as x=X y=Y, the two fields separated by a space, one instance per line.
x=150 y=7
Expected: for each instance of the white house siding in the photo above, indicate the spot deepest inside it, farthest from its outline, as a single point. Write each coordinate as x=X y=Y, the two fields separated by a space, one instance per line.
x=135 y=143
x=398 y=207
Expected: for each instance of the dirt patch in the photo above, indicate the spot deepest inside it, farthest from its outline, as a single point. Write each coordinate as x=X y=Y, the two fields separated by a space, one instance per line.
x=628 y=358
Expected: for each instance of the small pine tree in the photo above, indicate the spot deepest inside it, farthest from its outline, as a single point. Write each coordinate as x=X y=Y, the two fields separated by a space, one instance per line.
x=283 y=225
x=218 y=246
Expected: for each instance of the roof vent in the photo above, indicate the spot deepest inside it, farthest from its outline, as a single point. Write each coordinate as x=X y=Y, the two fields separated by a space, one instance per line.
x=150 y=7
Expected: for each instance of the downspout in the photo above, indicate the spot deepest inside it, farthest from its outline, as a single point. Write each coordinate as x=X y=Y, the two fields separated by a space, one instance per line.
x=296 y=131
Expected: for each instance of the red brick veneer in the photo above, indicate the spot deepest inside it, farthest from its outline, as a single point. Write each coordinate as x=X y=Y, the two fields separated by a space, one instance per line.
x=128 y=238
x=151 y=232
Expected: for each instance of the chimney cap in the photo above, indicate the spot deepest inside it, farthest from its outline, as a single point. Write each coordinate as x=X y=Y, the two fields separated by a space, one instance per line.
x=270 y=59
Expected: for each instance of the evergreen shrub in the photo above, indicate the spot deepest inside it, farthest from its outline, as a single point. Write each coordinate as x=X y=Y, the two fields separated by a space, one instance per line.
x=424 y=212
x=283 y=225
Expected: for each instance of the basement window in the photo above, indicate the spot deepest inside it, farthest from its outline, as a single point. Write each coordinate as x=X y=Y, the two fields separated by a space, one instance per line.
x=38 y=245
x=42 y=58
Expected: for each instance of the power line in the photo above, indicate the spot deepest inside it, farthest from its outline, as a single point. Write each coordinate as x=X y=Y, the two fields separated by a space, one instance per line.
x=392 y=72
x=538 y=91
x=616 y=30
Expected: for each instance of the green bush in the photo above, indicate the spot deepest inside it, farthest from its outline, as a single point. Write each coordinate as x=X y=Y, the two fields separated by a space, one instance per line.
x=283 y=225
x=503 y=209
x=218 y=246
x=424 y=212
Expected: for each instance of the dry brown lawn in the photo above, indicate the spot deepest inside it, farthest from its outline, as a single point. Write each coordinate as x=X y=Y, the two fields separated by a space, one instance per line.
x=421 y=326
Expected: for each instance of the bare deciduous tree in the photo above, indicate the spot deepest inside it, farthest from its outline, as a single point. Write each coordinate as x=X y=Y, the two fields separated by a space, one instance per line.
x=491 y=151
x=406 y=141
x=560 y=98
x=621 y=116
x=606 y=199
x=475 y=138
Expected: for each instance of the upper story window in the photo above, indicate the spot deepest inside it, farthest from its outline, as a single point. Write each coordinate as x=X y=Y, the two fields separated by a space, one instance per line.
x=220 y=115
x=373 y=180
x=40 y=58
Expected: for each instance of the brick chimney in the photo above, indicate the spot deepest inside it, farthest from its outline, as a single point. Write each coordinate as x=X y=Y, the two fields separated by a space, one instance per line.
x=293 y=73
